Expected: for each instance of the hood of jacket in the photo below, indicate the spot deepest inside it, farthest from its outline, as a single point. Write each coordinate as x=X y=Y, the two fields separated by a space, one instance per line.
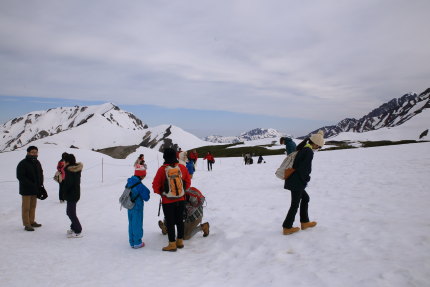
x=75 y=168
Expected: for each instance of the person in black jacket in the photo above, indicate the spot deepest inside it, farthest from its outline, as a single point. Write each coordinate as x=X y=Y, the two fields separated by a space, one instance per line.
x=72 y=193
x=29 y=173
x=298 y=181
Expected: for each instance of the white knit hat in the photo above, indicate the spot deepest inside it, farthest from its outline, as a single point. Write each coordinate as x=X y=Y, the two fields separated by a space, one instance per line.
x=183 y=157
x=318 y=138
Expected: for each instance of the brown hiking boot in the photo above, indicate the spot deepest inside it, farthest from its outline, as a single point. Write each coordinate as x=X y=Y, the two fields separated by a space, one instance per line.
x=308 y=224
x=170 y=247
x=35 y=224
x=163 y=227
x=288 y=231
x=179 y=243
x=205 y=228
x=28 y=228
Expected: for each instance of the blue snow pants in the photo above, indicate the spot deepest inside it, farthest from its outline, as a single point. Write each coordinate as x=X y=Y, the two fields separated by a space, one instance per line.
x=135 y=225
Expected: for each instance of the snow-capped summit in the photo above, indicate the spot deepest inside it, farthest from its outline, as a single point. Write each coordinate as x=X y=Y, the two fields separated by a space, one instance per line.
x=20 y=131
x=259 y=133
x=251 y=135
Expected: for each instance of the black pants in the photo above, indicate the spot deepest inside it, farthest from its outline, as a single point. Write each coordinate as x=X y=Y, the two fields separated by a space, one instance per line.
x=71 y=213
x=174 y=215
x=61 y=192
x=298 y=198
x=209 y=165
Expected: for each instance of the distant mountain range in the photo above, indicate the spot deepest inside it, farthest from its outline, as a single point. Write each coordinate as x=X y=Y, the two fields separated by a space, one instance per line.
x=107 y=127
x=392 y=114
x=254 y=134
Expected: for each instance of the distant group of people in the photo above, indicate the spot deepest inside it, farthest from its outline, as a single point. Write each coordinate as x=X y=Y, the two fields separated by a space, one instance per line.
x=182 y=204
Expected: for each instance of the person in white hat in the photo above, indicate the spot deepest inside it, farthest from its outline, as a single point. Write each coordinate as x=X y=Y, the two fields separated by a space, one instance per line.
x=298 y=181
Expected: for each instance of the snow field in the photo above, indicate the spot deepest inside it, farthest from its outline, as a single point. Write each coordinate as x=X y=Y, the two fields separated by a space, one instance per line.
x=370 y=204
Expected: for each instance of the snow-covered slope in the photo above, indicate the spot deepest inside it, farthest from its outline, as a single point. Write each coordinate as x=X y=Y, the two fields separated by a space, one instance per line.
x=167 y=135
x=371 y=205
x=96 y=120
x=92 y=127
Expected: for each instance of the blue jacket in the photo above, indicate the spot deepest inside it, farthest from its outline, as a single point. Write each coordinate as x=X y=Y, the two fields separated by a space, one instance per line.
x=190 y=167
x=290 y=146
x=140 y=190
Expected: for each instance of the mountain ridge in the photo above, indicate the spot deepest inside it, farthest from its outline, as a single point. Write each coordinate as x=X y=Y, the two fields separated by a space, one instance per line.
x=254 y=134
x=391 y=114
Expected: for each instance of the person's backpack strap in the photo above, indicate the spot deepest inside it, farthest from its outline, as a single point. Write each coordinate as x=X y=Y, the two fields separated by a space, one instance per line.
x=131 y=189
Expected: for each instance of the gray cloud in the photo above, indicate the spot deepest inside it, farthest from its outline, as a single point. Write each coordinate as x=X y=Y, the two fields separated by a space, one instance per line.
x=321 y=60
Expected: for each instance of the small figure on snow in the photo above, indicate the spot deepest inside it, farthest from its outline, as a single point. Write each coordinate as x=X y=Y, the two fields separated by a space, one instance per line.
x=211 y=160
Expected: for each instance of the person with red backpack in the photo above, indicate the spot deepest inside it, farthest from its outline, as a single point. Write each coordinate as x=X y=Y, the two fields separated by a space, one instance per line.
x=170 y=182
x=211 y=160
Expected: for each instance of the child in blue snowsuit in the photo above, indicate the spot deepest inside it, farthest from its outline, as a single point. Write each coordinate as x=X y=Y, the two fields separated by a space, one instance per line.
x=135 y=215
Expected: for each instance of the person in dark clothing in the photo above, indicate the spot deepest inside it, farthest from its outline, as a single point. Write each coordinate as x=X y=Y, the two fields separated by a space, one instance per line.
x=260 y=159
x=29 y=173
x=290 y=145
x=298 y=181
x=72 y=194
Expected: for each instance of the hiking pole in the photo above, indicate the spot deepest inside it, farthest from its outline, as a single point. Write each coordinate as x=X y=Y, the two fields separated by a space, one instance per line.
x=159 y=208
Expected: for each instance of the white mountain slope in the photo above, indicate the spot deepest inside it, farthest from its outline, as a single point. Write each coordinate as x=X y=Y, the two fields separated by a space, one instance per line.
x=161 y=135
x=371 y=205
x=41 y=124
x=92 y=127
x=409 y=130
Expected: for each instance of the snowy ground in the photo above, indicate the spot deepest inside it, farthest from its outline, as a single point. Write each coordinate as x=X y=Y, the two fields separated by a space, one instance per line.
x=371 y=206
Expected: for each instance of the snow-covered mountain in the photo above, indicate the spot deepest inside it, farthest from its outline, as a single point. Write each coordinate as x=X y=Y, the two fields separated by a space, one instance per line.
x=251 y=135
x=20 y=131
x=388 y=116
x=91 y=127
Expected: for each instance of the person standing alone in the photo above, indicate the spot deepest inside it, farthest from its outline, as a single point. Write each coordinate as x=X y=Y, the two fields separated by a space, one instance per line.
x=211 y=160
x=29 y=173
x=298 y=181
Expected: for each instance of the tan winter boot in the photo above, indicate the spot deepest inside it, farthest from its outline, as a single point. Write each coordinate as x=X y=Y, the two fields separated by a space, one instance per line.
x=162 y=227
x=179 y=243
x=205 y=229
x=288 y=231
x=170 y=247
x=308 y=224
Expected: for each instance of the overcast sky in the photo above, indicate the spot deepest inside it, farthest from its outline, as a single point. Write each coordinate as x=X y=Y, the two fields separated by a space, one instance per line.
x=292 y=62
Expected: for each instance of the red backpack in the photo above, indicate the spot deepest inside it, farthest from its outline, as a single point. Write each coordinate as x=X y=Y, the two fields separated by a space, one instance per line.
x=195 y=197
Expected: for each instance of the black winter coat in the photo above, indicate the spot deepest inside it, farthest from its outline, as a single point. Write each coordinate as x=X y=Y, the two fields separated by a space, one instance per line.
x=29 y=173
x=303 y=166
x=72 y=182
